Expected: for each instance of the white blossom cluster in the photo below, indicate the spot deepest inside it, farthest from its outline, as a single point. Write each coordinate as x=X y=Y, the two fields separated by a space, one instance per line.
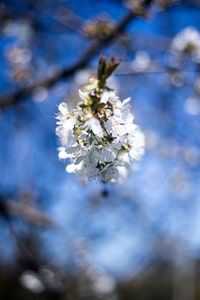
x=187 y=42
x=99 y=137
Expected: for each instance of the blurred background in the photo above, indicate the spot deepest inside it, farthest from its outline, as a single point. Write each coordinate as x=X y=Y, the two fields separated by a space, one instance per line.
x=65 y=239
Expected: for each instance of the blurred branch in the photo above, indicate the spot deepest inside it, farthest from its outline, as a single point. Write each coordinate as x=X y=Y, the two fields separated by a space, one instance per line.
x=10 y=208
x=14 y=98
x=152 y=69
x=30 y=213
x=192 y=3
x=64 y=17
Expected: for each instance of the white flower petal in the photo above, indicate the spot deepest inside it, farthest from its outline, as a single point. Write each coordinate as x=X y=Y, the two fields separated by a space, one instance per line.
x=69 y=123
x=70 y=168
x=62 y=154
x=63 y=108
x=127 y=100
x=95 y=126
x=79 y=159
x=83 y=95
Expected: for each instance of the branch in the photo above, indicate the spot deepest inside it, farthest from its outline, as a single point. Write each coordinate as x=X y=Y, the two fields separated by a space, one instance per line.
x=14 y=98
x=10 y=208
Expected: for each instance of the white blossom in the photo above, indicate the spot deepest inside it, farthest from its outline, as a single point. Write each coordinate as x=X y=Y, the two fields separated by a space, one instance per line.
x=99 y=137
x=93 y=124
x=187 y=42
x=31 y=281
x=141 y=61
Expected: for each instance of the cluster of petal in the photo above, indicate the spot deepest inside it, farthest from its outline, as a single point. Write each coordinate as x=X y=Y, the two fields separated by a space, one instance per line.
x=187 y=42
x=99 y=137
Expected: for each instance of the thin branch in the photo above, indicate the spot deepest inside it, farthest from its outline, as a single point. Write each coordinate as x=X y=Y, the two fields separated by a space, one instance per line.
x=49 y=81
x=10 y=208
x=71 y=20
